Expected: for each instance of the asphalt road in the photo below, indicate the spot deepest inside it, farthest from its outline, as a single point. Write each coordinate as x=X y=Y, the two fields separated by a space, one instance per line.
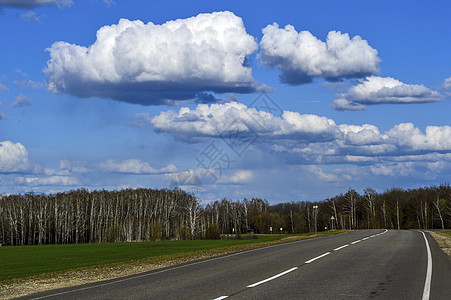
x=362 y=264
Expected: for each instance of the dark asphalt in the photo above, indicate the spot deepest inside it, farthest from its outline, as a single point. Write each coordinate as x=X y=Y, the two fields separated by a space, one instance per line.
x=387 y=266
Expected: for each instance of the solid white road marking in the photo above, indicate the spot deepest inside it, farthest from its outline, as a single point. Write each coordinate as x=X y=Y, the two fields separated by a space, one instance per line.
x=344 y=246
x=220 y=298
x=318 y=257
x=427 y=282
x=273 y=277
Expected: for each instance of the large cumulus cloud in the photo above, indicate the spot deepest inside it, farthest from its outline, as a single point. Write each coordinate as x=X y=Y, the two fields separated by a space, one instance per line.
x=381 y=90
x=301 y=56
x=154 y=64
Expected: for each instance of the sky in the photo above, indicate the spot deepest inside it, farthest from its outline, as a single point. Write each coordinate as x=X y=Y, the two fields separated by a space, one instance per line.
x=281 y=100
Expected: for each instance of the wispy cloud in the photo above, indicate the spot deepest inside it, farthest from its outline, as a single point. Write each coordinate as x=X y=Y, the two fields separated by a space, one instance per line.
x=3 y=87
x=48 y=180
x=74 y=166
x=28 y=83
x=21 y=101
x=134 y=166
x=108 y=2
x=31 y=16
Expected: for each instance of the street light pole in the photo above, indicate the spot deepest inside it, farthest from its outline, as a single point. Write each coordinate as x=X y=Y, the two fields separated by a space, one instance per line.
x=315 y=211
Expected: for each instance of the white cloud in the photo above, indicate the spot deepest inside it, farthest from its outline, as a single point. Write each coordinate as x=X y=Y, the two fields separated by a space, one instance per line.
x=301 y=56
x=344 y=104
x=154 y=64
x=13 y=157
x=302 y=138
x=436 y=138
x=380 y=90
x=21 y=101
x=74 y=166
x=31 y=16
x=236 y=177
x=3 y=116
x=3 y=87
x=446 y=84
x=362 y=135
x=217 y=120
x=404 y=169
x=28 y=83
x=184 y=178
x=30 y=4
x=51 y=180
x=134 y=166
x=319 y=173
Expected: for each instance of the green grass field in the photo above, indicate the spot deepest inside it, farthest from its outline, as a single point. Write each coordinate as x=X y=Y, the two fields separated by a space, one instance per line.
x=18 y=262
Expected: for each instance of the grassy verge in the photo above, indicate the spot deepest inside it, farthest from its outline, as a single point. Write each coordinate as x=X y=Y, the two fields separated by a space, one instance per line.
x=443 y=238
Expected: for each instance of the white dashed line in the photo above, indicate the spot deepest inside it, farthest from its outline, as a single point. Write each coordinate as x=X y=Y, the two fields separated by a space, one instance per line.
x=355 y=242
x=273 y=277
x=220 y=298
x=318 y=257
x=344 y=246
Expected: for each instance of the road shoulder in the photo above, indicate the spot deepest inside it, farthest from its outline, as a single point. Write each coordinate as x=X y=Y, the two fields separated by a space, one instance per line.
x=443 y=241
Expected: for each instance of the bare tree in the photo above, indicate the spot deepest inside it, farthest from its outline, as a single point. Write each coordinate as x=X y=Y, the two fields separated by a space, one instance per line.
x=440 y=205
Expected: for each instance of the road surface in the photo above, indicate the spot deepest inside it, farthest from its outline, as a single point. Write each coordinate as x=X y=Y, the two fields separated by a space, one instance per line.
x=359 y=265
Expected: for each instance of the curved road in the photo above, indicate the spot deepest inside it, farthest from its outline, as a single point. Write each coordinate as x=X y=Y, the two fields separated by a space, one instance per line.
x=362 y=264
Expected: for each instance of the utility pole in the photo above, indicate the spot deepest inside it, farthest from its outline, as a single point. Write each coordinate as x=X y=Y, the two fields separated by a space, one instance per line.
x=315 y=212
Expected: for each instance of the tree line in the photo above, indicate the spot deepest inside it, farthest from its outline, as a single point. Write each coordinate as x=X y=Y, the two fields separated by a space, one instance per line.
x=81 y=216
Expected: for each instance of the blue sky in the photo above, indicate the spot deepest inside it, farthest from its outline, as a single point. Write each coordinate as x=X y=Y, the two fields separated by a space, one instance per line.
x=287 y=101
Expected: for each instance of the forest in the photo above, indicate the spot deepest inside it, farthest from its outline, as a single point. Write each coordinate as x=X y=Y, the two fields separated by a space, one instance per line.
x=81 y=216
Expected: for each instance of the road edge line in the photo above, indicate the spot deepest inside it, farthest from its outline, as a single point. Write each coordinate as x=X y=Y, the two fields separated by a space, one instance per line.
x=427 y=282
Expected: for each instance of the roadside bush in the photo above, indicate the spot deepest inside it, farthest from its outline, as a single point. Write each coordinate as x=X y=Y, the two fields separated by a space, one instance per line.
x=213 y=232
